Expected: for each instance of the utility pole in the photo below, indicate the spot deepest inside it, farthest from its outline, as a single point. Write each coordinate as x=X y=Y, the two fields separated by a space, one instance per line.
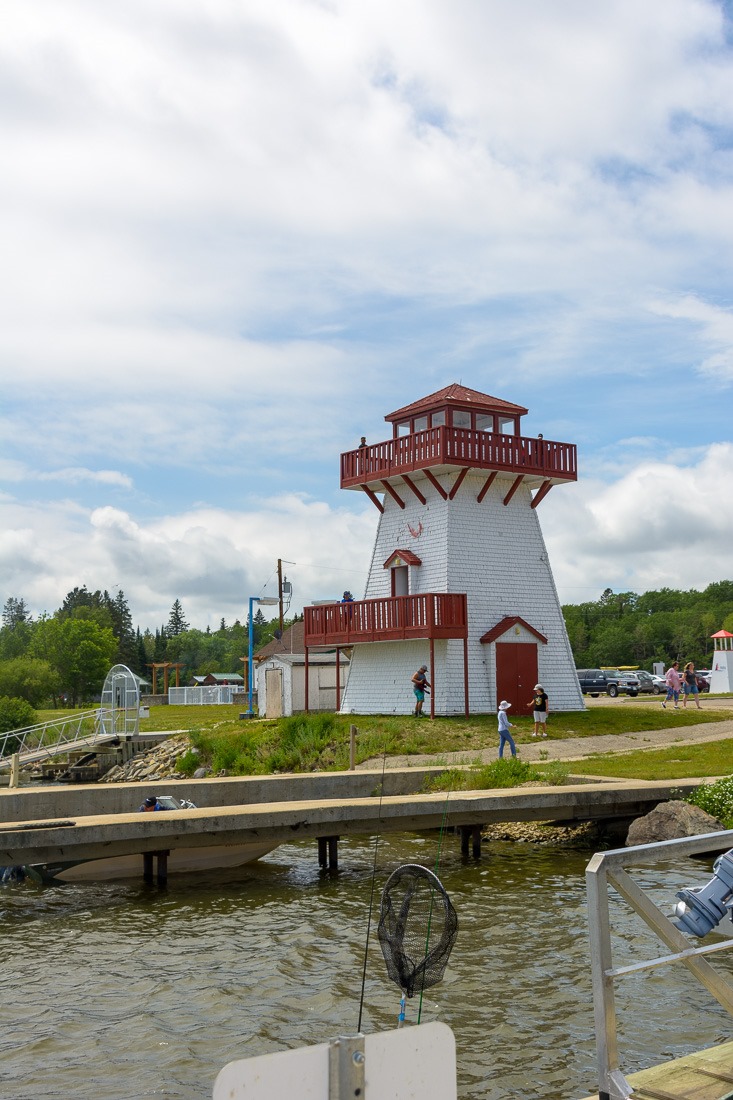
x=283 y=588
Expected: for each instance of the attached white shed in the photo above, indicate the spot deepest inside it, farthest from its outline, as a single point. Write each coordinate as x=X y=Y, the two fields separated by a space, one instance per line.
x=281 y=683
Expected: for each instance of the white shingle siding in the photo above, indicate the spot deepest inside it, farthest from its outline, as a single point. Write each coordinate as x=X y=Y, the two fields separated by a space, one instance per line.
x=497 y=556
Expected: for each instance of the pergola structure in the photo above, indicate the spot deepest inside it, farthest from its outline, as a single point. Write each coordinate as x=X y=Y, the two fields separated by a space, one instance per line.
x=166 y=666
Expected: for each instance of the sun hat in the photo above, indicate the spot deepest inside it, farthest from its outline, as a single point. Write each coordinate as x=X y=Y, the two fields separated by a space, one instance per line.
x=503 y=705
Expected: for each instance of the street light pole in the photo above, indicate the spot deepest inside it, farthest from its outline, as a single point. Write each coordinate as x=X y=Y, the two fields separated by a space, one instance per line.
x=250 y=645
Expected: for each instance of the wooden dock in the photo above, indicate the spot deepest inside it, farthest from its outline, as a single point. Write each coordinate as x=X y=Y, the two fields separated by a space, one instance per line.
x=705 y=1075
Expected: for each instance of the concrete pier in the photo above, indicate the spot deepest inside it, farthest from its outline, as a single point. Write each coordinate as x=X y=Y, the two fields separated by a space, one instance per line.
x=77 y=837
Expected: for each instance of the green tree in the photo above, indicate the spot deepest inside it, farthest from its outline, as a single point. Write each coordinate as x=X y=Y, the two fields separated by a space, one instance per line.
x=16 y=612
x=176 y=620
x=15 y=714
x=80 y=650
x=29 y=678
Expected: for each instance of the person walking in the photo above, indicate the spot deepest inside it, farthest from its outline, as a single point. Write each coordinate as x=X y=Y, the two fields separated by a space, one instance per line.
x=674 y=682
x=420 y=685
x=689 y=685
x=541 y=707
x=505 y=725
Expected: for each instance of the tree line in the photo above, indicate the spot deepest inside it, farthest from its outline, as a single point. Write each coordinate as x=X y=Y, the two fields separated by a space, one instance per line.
x=64 y=657
x=623 y=628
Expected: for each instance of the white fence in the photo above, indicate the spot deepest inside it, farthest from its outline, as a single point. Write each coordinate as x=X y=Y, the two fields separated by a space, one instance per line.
x=202 y=696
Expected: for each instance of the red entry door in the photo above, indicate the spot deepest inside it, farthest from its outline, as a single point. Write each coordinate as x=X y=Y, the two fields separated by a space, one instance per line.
x=516 y=674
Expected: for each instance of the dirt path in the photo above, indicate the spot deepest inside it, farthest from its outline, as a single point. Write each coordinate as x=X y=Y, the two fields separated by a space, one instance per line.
x=573 y=748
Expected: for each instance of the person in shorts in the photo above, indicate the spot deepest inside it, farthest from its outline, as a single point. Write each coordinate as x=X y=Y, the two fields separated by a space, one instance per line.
x=689 y=685
x=420 y=685
x=541 y=708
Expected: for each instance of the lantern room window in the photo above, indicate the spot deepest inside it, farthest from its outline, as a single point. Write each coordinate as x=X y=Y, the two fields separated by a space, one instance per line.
x=506 y=425
x=484 y=422
x=461 y=418
x=437 y=419
x=403 y=428
x=421 y=424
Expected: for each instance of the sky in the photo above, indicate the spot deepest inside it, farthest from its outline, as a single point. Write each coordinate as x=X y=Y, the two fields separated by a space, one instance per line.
x=238 y=233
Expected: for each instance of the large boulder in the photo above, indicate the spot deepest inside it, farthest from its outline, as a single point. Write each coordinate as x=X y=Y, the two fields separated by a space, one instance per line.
x=671 y=821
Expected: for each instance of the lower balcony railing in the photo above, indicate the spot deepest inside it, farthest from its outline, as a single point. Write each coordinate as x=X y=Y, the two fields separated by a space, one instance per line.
x=391 y=618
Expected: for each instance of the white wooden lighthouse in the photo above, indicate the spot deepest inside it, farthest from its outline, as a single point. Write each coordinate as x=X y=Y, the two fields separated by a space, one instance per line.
x=460 y=579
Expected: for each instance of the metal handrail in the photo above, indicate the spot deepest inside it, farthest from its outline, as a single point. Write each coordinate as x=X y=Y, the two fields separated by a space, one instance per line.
x=34 y=742
x=608 y=868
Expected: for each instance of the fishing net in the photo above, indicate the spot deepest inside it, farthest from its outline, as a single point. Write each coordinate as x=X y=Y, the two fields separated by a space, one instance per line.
x=417 y=928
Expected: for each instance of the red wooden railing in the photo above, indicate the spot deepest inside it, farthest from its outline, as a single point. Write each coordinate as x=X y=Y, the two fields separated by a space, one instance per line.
x=392 y=618
x=459 y=447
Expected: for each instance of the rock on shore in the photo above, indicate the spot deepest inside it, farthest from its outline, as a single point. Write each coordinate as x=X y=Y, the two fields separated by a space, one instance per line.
x=157 y=764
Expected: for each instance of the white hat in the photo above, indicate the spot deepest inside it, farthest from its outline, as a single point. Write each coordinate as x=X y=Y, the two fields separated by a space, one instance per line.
x=503 y=705
x=538 y=687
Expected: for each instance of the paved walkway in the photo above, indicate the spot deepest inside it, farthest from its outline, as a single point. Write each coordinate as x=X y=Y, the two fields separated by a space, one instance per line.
x=573 y=748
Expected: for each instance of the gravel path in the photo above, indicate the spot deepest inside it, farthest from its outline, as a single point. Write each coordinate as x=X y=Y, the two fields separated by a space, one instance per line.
x=573 y=748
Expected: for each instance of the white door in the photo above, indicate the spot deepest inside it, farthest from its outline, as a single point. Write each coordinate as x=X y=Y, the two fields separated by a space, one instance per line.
x=274 y=692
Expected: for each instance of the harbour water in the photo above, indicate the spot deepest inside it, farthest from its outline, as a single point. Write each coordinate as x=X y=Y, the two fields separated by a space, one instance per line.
x=114 y=991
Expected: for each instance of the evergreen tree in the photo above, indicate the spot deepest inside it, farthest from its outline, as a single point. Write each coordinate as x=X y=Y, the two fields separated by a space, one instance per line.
x=176 y=621
x=16 y=612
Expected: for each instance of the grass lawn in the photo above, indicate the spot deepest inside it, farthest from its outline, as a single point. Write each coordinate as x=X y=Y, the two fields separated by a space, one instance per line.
x=319 y=741
x=303 y=743
x=676 y=762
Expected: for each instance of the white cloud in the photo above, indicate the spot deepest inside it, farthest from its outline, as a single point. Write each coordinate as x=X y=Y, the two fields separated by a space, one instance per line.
x=235 y=235
x=716 y=328
x=660 y=525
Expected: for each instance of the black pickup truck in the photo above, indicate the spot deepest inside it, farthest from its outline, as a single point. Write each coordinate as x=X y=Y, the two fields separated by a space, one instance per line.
x=599 y=681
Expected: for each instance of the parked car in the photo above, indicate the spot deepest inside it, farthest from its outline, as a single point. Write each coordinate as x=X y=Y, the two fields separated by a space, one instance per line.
x=660 y=685
x=628 y=680
x=646 y=682
x=598 y=681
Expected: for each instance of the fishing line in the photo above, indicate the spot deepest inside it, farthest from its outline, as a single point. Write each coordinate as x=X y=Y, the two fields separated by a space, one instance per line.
x=371 y=894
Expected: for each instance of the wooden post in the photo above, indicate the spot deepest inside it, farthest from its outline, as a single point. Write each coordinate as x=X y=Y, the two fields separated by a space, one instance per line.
x=352 y=748
x=333 y=853
x=465 y=674
x=338 y=679
x=147 y=866
x=306 y=680
x=15 y=770
x=162 y=868
x=432 y=672
x=472 y=832
x=322 y=852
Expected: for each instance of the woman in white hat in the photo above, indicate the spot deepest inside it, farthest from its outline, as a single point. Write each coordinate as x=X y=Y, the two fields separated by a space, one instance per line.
x=505 y=725
x=541 y=705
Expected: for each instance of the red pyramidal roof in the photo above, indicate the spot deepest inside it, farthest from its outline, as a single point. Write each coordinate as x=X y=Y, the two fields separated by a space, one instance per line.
x=459 y=396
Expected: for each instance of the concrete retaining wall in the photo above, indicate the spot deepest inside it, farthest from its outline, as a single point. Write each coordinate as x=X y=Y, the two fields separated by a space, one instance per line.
x=56 y=801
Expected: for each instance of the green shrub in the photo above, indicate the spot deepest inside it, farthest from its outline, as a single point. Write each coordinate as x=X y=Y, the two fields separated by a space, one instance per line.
x=188 y=763
x=716 y=799
x=15 y=714
x=501 y=773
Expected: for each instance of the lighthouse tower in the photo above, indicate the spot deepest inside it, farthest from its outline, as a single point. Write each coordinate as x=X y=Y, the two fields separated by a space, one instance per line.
x=460 y=578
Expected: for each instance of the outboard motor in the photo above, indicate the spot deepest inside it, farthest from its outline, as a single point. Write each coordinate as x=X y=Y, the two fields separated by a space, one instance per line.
x=12 y=874
x=701 y=909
